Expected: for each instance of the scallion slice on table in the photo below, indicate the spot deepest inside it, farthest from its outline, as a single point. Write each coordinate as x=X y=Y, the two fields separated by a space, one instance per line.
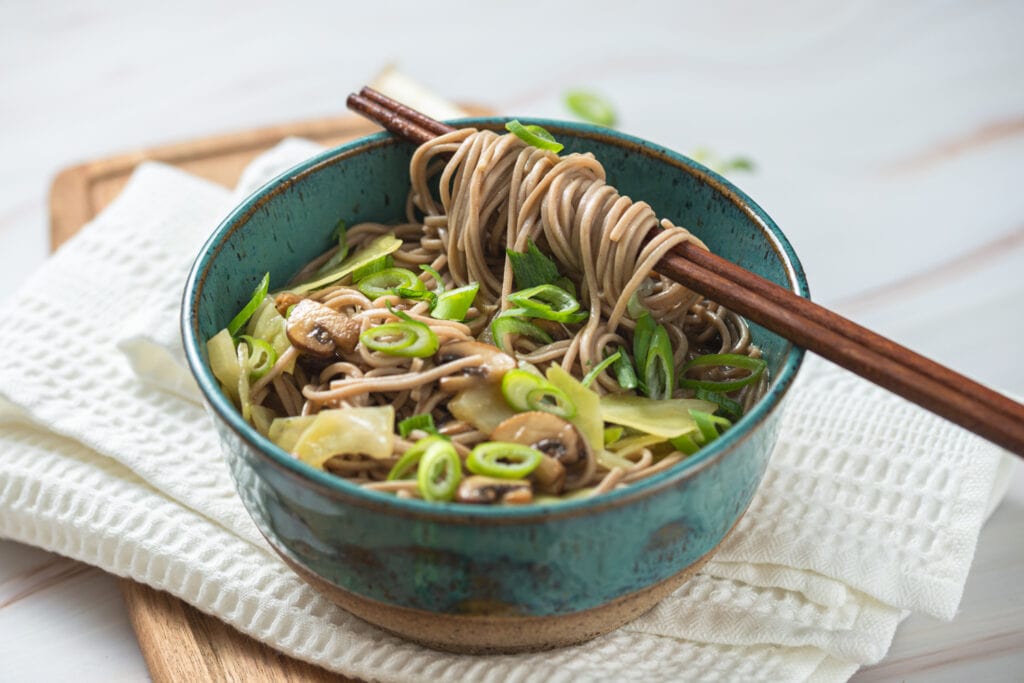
x=534 y=136
x=503 y=460
x=255 y=300
x=590 y=107
x=756 y=366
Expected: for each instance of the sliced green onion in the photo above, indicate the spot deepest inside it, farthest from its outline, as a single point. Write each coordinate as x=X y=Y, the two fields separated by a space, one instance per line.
x=600 y=367
x=506 y=324
x=708 y=424
x=590 y=107
x=338 y=256
x=658 y=372
x=532 y=267
x=409 y=339
x=455 y=304
x=625 y=374
x=388 y=281
x=437 y=276
x=548 y=302
x=612 y=434
x=356 y=263
x=524 y=391
x=756 y=366
x=732 y=409
x=255 y=300
x=262 y=356
x=439 y=471
x=686 y=443
x=534 y=136
x=642 y=334
x=568 y=285
x=375 y=266
x=407 y=463
x=422 y=421
x=503 y=460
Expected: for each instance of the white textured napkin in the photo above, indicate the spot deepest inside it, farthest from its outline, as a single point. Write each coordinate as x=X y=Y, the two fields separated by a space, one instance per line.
x=870 y=509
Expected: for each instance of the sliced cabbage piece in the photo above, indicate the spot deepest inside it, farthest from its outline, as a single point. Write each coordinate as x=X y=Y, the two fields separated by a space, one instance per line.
x=666 y=418
x=368 y=430
x=382 y=246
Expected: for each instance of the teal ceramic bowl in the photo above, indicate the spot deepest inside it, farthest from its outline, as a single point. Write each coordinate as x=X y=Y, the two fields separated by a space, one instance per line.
x=475 y=578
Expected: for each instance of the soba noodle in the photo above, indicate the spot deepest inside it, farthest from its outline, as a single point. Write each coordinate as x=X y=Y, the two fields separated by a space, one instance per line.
x=475 y=196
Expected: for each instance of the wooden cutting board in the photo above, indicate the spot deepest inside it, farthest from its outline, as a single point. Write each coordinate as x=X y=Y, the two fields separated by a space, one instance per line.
x=179 y=642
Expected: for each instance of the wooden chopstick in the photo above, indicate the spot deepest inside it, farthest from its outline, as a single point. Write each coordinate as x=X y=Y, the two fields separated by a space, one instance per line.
x=803 y=322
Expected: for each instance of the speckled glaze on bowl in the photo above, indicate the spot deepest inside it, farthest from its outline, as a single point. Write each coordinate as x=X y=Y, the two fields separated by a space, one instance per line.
x=471 y=578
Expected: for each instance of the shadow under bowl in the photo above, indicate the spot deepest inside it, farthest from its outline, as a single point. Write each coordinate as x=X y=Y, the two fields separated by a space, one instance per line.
x=478 y=579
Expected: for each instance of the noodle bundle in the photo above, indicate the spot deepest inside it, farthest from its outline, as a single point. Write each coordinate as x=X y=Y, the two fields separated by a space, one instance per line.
x=513 y=328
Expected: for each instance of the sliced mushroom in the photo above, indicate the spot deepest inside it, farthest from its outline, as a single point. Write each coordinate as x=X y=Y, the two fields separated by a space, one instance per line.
x=556 y=438
x=285 y=300
x=489 y=490
x=492 y=368
x=549 y=477
x=319 y=331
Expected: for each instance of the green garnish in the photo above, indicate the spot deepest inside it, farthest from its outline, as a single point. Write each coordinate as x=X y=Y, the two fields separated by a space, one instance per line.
x=658 y=369
x=534 y=136
x=532 y=268
x=375 y=266
x=437 y=276
x=612 y=434
x=407 y=463
x=625 y=374
x=408 y=338
x=526 y=391
x=600 y=367
x=756 y=366
x=439 y=471
x=255 y=300
x=262 y=356
x=422 y=421
x=455 y=303
x=590 y=107
x=503 y=460
x=506 y=324
x=706 y=432
x=338 y=256
x=389 y=281
x=721 y=166
x=355 y=264
x=732 y=409
x=548 y=302
x=642 y=334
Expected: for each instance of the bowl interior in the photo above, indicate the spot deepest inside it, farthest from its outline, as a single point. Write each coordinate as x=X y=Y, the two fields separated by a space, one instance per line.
x=290 y=220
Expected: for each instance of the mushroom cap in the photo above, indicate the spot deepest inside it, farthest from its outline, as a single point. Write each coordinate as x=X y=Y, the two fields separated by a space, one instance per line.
x=556 y=438
x=493 y=365
x=320 y=330
x=488 y=490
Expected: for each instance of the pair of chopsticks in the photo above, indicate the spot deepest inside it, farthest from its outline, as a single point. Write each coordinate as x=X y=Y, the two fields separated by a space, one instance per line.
x=815 y=328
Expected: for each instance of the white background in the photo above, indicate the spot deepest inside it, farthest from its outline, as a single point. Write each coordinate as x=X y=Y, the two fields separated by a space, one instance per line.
x=889 y=142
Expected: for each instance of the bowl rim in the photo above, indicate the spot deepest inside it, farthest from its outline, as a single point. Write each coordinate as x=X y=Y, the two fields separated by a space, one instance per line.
x=337 y=487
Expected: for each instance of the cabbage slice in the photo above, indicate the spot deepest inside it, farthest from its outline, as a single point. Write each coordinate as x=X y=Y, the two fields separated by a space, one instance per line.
x=337 y=431
x=666 y=418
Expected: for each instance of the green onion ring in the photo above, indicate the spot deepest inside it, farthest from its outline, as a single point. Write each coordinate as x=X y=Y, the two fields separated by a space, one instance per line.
x=387 y=281
x=548 y=302
x=409 y=339
x=525 y=391
x=756 y=366
x=262 y=356
x=439 y=471
x=503 y=460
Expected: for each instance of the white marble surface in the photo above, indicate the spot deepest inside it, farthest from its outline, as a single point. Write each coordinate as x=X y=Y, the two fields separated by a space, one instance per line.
x=889 y=141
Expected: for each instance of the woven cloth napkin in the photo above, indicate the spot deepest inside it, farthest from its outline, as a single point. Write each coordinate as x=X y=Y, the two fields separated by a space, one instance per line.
x=870 y=508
